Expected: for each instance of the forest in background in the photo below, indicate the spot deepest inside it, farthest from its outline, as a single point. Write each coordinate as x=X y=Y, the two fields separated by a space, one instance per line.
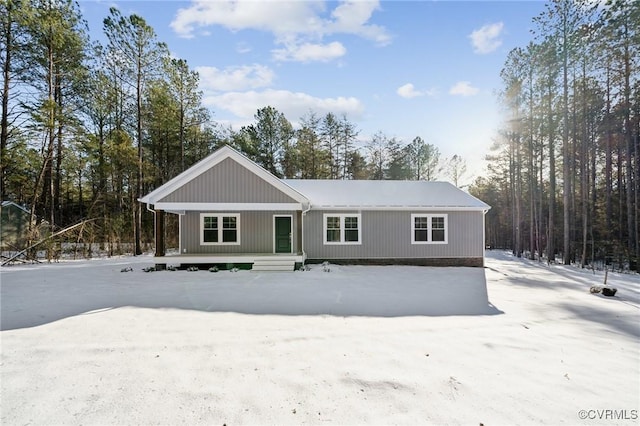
x=87 y=128
x=564 y=170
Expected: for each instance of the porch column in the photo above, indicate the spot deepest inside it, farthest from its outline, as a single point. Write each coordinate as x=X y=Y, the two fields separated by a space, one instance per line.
x=159 y=231
x=299 y=230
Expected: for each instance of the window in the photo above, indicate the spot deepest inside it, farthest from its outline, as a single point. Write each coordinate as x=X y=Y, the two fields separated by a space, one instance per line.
x=428 y=229
x=437 y=228
x=229 y=229
x=219 y=229
x=421 y=229
x=351 y=232
x=333 y=229
x=210 y=229
x=342 y=229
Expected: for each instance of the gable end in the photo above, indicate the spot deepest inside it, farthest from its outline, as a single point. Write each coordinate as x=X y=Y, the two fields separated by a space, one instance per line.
x=227 y=182
x=225 y=177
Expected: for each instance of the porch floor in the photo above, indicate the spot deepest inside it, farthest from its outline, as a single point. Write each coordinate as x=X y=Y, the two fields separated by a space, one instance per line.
x=173 y=259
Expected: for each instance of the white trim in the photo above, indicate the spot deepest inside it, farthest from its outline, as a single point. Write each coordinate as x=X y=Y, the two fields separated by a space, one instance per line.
x=180 y=233
x=290 y=216
x=400 y=208
x=209 y=162
x=184 y=206
x=220 y=217
x=302 y=215
x=342 y=217
x=229 y=206
x=429 y=228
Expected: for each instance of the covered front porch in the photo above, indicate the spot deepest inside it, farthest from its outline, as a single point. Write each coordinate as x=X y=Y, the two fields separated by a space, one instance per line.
x=230 y=211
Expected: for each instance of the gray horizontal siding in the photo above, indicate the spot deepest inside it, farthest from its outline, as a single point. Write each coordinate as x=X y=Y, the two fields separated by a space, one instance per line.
x=228 y=182
x=387 y=234
x=256 y=233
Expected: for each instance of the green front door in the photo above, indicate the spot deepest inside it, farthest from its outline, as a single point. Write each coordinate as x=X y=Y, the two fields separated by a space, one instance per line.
x=283 y=234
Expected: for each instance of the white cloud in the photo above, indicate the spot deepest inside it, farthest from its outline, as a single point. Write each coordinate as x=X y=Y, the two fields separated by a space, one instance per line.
x=310 y=52
x=276 y=17
x=487 y=39
x=302 y=24
x=351 y=17
x=293 y=104
x=409 y=91
x=235 y=78
x=463 y=88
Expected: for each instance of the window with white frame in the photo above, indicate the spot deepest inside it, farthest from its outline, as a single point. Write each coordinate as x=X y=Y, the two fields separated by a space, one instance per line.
x=219 y=229
x=342 y=228
x=429 y=229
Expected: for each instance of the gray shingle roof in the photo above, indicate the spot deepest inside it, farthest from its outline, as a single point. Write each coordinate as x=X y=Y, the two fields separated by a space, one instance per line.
x=385 y=194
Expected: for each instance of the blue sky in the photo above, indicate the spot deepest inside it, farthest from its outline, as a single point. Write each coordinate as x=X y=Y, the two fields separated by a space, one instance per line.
x=406 y=68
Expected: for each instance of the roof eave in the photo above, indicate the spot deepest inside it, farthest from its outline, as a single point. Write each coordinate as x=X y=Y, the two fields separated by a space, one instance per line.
x=399 y=208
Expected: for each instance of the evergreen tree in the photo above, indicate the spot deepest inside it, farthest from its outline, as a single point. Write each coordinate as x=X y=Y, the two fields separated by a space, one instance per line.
x=423 y=159
x=57 y=39
x=313 y=158
x=134 y=42
x=271 y=133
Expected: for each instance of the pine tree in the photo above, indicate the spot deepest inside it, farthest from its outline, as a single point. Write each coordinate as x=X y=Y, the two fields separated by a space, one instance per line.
x=135 y=43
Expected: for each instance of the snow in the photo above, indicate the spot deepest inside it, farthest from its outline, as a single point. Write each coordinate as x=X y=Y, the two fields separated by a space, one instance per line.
x=384 y=193
x=514 y=343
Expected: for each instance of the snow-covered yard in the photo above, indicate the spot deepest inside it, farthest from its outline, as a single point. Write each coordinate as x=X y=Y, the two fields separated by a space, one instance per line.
x=514 y=343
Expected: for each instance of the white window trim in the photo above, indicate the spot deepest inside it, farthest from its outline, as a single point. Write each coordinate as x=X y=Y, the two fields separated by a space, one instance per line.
x=342 y=216
x=429 y=234
x=220 y=230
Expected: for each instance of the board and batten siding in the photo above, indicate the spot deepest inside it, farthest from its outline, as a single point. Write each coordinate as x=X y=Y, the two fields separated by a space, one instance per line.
x=387 y=235
x=227 y=182
x=256 y=233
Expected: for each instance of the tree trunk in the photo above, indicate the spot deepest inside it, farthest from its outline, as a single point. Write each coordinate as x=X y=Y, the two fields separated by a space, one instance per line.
x=58 y=155
x=518 y=196
x=4 y=120
x=136 y=205
x=566 y=166
x=552 y=184
x=584 y=162
x=608 y=168
x=628 y=136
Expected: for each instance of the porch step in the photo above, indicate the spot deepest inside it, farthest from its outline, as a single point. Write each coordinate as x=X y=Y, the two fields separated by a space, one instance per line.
x=273 y=265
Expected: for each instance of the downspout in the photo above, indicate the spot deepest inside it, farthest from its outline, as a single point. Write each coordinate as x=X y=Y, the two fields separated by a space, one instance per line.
x=304 y=254
x=484 y=237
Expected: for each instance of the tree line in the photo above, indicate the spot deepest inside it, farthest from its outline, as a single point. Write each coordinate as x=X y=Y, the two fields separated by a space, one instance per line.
x=565 y=169
x=87 y=127
x=327 y=147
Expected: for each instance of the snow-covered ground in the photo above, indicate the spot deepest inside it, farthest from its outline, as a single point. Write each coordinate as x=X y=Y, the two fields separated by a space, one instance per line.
x=514 y=343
